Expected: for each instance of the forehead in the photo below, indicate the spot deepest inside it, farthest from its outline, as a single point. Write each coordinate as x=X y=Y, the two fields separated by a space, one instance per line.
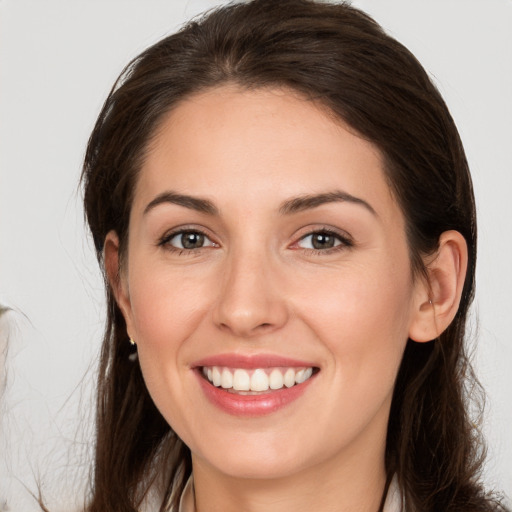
x=268 y=143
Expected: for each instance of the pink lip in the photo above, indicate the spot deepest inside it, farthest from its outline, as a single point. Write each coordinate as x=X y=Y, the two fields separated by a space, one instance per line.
x=251 y=405
x=250 y=362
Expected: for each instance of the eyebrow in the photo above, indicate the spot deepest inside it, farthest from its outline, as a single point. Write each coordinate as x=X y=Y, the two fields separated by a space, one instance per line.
x=193 y=203
x=289 y=207
x=308 y=202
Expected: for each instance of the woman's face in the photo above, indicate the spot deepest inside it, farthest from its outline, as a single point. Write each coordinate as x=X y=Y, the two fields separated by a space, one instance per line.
x=265 y=248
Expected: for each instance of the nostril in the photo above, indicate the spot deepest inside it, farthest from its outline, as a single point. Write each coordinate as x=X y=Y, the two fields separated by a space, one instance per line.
x=266 y=326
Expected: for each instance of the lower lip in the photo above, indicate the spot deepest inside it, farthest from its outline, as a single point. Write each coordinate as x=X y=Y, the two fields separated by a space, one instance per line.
x=252 y=405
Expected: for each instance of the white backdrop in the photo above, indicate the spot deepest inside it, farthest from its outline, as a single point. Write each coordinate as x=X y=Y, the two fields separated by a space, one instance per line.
x=58 y=60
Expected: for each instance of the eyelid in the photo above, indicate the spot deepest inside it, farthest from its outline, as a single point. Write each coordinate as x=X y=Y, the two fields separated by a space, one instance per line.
x=164 y=240
x=345 y=239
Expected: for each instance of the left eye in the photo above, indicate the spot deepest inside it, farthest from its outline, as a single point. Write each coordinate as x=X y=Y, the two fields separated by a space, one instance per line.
x=190 y=240
x=320 y=240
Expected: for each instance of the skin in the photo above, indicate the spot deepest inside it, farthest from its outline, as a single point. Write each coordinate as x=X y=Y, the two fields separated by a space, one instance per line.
x=258 y=287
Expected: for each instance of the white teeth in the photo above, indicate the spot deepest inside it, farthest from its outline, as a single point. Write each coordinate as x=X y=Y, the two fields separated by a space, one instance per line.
x=289 y=378
x=241 y=380
x=276 y=379
x=303 y=375
x=299 y=376
x=226 y=379
x=216 y=378
x=259 y=380
x=256 y=380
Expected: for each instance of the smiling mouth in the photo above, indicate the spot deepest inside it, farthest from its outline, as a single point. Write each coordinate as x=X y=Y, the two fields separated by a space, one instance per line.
x=244 y=381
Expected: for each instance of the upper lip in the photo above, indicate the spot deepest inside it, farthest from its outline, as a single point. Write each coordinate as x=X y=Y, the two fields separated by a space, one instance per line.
x=251 y=361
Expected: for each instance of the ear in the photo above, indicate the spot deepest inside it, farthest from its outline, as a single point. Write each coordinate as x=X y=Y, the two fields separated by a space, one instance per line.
x=437 y=299
x=117 y=278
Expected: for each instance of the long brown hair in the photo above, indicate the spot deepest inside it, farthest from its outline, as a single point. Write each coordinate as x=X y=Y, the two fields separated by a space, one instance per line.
x=338 y=56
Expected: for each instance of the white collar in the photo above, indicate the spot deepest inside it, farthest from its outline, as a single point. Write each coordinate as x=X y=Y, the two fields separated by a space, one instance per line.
x=187 y=501
x=394 y=499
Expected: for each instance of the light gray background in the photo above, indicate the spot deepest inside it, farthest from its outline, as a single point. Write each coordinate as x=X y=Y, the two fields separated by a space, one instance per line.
x=58 y=60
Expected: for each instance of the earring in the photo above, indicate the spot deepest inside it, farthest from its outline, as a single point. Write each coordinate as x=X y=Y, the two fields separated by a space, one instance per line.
x=133 y=356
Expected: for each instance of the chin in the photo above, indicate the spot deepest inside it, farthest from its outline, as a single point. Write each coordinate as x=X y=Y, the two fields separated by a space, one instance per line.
x=260 y=459
x=258 y=467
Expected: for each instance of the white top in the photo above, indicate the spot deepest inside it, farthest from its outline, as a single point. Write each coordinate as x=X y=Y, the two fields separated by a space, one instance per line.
x=394 y=500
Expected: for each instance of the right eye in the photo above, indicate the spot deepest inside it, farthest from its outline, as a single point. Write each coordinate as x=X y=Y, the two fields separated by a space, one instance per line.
x=187 y=240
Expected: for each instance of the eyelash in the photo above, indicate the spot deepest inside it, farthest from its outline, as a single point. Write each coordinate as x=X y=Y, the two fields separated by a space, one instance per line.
x=344 y=242
x=166 y=239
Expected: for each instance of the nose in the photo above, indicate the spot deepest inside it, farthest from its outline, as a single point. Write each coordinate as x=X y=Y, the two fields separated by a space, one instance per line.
x=251 y=301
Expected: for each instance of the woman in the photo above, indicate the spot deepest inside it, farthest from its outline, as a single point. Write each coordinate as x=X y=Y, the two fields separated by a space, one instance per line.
x=283 y=209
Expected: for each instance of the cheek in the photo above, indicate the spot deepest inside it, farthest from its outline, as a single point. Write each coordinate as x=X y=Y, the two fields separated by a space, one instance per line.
x=164 y=305
x=363 y=319
x=166 y=311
